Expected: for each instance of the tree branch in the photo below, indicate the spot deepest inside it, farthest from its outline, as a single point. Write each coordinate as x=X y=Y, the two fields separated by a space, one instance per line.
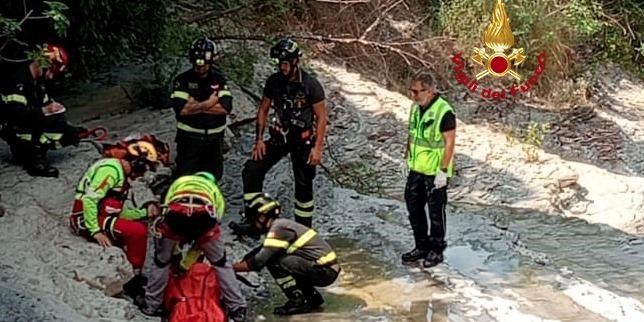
x=387 y=46
x=344 y=1
x=377 y=21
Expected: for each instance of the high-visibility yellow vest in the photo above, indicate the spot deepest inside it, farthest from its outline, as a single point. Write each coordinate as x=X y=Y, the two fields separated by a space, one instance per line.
x=427 y=145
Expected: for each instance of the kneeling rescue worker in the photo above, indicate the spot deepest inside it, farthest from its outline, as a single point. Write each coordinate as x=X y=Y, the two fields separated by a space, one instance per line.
x=193 y=209
x=32 y=122
x=98 y=213
x=295 y=255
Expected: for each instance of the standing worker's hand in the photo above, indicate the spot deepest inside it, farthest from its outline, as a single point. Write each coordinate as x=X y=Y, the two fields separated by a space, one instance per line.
x=404 y=169
x=259 y=150
x=103 y=240
x=315 y=157
x=440 y=180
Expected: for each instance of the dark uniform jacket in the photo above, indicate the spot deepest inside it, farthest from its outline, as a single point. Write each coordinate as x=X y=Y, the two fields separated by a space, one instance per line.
x=189 y=84
x=23 y=98
x=288 y=237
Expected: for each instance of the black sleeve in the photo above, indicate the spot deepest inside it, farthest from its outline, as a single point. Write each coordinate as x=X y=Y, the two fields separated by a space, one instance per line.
x=225 y=96
x=448 y=122
x=179 y=93
x=316 y=91
x=271 y=87
x=17 y=107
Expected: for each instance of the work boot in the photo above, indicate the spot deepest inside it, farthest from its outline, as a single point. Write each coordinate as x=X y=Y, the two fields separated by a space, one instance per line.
x=314 y=298
x=41 y=170
x=433 y=258
x=414 y=255
x=244 y=228
x=238 y=315
x=135 y=286
x=296 y=304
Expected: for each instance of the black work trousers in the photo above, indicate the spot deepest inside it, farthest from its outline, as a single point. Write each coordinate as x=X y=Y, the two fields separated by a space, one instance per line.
x=292 y=272
x=198 y=152
x=29 y=143
x=429 y=228
x=255 y=171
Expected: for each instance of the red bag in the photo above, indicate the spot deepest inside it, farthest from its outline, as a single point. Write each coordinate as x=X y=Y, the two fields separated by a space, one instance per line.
x=194 y=296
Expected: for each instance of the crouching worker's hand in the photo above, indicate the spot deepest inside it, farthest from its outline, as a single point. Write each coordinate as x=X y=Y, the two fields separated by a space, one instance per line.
x=153 y=208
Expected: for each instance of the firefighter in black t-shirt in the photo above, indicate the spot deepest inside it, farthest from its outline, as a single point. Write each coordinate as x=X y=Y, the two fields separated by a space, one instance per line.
x=201 y=100
x=299 y=130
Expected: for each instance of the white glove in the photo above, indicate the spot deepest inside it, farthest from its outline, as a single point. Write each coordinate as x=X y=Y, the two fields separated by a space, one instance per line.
x=404 y=170
x=440 y=180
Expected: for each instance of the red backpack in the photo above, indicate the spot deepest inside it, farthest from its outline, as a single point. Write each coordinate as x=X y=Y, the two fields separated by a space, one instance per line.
x=194 y=296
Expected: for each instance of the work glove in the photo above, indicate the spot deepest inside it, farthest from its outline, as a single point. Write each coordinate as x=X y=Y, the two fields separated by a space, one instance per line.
x=404 y=170
x=440 y=180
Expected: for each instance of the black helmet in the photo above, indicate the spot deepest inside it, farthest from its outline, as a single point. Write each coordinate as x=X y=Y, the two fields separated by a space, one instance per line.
x=202 y=52
x=286 y=49
x=265 y=205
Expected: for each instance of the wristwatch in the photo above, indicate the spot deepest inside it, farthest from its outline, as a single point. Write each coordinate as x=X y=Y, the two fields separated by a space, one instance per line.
x=444 y=170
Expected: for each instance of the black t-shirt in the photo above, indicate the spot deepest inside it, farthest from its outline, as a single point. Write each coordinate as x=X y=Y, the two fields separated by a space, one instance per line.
x=448 y=122
x=277 y=82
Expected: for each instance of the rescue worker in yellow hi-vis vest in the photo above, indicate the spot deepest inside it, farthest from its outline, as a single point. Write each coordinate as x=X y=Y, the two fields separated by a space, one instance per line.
x=201 y=101
x=295 y=255
x=429 y=154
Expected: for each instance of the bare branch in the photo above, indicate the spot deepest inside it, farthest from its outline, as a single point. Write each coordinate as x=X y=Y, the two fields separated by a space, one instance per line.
x=27 y=15
x=377 y=21
x=402 y=53
x=344 y=1
x=13 y=60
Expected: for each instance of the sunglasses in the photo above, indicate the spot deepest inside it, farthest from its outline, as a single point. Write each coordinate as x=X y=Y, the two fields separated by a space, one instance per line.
x=417 y=91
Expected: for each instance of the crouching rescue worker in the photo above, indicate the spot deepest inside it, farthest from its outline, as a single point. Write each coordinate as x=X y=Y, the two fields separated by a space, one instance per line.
x=32 y=122
x=295 y=255
x=99 y=215
x=193 y=209
x=201 y=100
x=299 y=130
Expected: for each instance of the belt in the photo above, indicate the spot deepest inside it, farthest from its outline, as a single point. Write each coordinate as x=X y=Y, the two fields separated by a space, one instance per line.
x=185 y=127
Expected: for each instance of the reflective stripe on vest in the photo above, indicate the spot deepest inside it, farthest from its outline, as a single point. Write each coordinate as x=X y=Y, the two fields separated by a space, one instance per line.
x=185 y=127
x=427 y=145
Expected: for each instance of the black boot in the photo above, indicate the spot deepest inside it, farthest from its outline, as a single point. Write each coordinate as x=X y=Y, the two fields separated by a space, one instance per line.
x=314 y=298
x=135 y=287
x=36 y=164
x=41 y=170
x=414 y=255
x=433 y=258
x=306 y=221
x=296 y=304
